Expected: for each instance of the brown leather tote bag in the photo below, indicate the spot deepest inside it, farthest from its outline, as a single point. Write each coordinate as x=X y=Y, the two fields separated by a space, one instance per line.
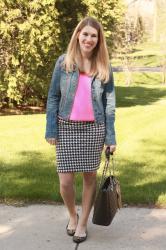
x=108 y=199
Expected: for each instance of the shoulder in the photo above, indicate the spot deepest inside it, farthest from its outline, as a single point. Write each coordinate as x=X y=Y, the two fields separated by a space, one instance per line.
x=59 y=62
x=61 y=59
x=110 y=73
x=110 y=82
x=110 y=68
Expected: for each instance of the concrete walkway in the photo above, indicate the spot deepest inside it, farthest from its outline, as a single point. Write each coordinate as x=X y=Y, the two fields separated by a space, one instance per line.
x=43 y=227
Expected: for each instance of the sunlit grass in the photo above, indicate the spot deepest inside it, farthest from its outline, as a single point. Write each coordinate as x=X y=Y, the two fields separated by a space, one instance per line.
x=144 y=54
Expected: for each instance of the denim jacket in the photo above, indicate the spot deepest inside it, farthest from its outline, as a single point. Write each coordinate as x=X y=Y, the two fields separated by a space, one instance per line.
x=61 y=97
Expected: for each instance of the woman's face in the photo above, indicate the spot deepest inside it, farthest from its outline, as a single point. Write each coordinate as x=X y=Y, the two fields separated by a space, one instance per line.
x=88 y=38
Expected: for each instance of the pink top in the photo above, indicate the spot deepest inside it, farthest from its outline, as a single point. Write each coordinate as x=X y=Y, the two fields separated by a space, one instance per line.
x=82 y=107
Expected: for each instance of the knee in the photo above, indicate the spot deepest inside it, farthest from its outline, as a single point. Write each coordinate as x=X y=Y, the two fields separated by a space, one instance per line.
x=66 y=184
x=66 y=181
x=90 y=179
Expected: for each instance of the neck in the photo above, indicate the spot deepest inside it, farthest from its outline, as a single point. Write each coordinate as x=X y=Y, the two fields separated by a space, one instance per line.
x=86 y=56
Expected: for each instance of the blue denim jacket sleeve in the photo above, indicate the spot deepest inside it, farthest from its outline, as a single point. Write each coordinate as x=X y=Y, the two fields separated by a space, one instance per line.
x=109 y=104
x=53 y=103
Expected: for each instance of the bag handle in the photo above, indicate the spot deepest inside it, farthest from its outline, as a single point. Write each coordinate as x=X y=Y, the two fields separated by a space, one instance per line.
x=107 y=166
x=108 y=153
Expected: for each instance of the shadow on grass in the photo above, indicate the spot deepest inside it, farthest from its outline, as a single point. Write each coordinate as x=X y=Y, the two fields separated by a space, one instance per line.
x=138 y=95
x=32 y=179
x=137 y=186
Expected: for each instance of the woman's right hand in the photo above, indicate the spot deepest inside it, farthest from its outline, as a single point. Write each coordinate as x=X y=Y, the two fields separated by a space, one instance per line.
x=52 y=141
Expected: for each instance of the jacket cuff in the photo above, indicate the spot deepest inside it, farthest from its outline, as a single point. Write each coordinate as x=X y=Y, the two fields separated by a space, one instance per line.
x=110 y=140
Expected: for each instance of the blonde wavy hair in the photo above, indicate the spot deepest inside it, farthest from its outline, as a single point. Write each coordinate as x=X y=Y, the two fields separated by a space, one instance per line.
x=100 y=56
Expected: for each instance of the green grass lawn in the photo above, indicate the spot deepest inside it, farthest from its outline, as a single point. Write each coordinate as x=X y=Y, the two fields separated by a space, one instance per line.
x=147 y=54
x=27 y=169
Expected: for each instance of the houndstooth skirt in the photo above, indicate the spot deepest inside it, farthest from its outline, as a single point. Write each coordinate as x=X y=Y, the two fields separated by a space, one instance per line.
x=79 y=146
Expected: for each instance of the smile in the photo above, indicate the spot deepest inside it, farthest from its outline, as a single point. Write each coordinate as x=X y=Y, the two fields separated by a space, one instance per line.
x=87 y=45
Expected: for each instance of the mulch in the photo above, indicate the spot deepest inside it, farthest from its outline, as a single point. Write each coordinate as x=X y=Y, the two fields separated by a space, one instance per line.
x=22 y=110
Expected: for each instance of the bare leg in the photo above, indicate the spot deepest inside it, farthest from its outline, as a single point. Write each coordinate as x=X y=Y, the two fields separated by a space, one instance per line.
x=88 y=195
x=68 y=195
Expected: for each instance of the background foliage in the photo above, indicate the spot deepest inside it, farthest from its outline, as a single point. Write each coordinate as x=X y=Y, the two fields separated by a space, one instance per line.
x=34 y=33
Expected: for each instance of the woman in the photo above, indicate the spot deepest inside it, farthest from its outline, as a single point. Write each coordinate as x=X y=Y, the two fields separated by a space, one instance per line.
x=80 y=117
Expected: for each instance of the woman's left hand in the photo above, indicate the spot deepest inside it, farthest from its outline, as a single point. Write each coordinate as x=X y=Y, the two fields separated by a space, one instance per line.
x=112 y=148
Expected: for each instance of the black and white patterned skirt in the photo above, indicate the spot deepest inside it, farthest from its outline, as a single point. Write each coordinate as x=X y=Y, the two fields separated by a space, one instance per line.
x=79 y=146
